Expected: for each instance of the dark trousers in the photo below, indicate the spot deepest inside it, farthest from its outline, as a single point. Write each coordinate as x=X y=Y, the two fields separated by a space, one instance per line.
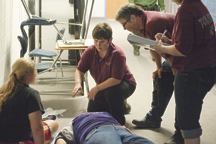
x=162 y=92
x=112 y=100
x=190 y=89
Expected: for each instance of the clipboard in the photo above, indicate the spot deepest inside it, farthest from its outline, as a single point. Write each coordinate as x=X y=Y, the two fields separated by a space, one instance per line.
x=140 y=41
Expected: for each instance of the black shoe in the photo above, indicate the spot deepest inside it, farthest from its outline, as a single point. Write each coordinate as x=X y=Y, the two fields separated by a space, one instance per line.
x=49 y=117
x=145 y=123
x=176 y=139
x=127 y=108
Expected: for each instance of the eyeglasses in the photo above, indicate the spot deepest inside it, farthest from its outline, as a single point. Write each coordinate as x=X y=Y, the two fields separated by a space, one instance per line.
x=126 y=22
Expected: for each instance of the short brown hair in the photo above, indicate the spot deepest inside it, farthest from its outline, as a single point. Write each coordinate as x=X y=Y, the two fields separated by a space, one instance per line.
x=128 y=9
x=102 y=31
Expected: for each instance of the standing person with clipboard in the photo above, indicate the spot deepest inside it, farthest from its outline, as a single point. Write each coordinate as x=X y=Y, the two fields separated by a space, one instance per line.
x=134 y=19
x=194 y=58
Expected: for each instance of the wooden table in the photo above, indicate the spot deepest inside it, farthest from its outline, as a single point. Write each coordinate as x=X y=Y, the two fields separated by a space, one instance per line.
x=76 y=46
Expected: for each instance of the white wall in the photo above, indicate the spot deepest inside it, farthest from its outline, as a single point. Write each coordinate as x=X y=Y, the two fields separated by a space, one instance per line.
x=11 y=15
x=99 y=8
x=170 y=7
x=61 y=10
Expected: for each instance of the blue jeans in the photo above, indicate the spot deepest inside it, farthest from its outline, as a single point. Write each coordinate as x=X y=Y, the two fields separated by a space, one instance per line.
x=190 y=89
x=162 y=93
x=113 y=134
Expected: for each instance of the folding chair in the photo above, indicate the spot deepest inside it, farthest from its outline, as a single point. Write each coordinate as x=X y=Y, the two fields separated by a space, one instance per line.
x=41 y=67
x=47 y=53
x=35 y=20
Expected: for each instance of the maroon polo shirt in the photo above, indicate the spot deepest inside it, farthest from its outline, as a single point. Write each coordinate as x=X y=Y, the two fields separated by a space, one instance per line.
x=194 y=36
x=113 y=65
x=157 y=22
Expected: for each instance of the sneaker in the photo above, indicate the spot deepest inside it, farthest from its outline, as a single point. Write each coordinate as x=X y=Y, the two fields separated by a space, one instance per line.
x=49 y=117
x=145 y=123
x=176 y=139
x=136 y=52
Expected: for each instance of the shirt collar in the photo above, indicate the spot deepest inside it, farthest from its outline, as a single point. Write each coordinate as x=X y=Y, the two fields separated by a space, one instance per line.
x=109 y=52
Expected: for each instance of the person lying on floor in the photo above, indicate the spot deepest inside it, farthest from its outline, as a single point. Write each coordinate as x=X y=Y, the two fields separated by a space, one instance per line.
x=97 y=128
x=21 y=108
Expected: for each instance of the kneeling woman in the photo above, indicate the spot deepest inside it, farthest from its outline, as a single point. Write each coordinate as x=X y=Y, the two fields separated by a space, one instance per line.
x=107 y=65
x=21 y=108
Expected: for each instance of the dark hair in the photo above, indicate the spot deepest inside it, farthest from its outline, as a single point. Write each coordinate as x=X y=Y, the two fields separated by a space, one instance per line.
x=128 y=9
x=102 y=31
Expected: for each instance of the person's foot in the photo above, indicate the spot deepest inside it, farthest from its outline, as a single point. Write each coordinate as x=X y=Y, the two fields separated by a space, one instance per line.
x=136 y=52
x=176 y=139
x=145 y=123
x=127 y=107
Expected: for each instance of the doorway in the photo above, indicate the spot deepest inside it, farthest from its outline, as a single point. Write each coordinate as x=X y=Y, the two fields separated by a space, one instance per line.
x=112 y=7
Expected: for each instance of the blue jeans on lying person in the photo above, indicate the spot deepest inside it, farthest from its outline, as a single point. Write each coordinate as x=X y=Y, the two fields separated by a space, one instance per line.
x=113 y=134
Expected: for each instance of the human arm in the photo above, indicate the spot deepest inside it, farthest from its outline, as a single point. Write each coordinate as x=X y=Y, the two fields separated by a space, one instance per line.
x=65 y=136
x=106 y=84
x=116 y=72
x=169 y=49
x=169 y=59
x=35 y=119
x=158 y=70
x=61 y=141
x=78 y=79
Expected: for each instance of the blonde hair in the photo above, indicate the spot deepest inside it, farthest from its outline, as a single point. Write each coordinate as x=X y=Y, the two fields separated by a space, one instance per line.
x=16 y=80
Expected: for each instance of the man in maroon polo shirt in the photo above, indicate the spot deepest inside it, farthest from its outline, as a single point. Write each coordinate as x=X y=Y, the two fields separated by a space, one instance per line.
x=149 y=23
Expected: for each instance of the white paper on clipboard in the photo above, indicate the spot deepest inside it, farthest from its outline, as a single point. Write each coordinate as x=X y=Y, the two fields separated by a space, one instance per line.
x=140 y=41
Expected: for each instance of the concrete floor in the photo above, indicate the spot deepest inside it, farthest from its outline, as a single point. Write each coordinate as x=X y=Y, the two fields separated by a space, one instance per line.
x=142 y=67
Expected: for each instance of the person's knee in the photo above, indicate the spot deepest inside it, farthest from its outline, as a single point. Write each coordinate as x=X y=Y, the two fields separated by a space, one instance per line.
x=53 y=125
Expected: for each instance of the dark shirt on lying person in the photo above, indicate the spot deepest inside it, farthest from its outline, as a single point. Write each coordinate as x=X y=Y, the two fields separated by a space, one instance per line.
x=85 y=122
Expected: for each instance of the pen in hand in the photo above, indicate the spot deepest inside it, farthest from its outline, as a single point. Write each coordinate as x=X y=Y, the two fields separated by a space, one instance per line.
x=164 y=33
x=160 y=40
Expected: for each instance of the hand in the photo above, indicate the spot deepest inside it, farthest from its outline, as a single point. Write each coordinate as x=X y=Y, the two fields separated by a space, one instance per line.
x=77 y=88
x=163 y=38
x=157 y=71
x=158 y=47
x=92 y=93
